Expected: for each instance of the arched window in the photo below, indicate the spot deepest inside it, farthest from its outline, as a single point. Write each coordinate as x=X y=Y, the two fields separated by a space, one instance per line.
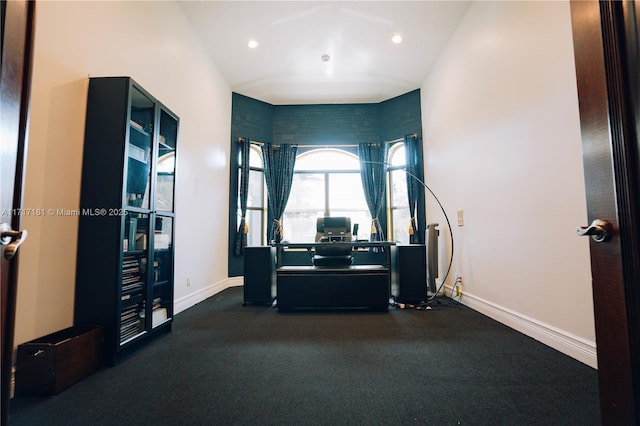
x=256 y=205
x=326 y=182
x=398 y=207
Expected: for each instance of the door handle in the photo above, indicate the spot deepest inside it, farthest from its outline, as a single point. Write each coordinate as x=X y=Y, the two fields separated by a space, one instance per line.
x=600 y=230
x=11 y=239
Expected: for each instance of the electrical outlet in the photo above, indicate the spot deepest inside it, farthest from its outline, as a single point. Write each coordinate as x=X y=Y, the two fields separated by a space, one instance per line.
x=458 y=285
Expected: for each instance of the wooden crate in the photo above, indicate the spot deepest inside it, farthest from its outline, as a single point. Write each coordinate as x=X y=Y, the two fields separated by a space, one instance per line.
x=50 y=364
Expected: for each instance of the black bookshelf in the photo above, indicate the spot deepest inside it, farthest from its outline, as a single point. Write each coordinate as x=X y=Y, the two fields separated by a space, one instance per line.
x=125 y=262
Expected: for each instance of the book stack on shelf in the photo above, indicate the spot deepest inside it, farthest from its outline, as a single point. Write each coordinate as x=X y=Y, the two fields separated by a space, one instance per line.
x=132 y=297
x=130 y=322
x=131 y=281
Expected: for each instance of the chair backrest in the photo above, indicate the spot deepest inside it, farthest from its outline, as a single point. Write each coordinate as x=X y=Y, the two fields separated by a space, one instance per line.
x=333 y=229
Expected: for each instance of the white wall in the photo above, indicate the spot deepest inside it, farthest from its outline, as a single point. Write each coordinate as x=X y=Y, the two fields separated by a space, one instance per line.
x=153 y=43
x=502 y=142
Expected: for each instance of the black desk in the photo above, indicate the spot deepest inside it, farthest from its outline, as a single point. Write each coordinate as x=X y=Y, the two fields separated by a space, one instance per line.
x=347 y=287
x=310 y=247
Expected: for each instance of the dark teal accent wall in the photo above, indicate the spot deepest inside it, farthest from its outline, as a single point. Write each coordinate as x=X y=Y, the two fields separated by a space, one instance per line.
x=251 y=118
x=400 y=116
x=325 y=124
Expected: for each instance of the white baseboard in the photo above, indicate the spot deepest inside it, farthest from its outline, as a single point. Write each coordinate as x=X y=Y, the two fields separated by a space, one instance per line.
x=198 y=296
x=569 y=344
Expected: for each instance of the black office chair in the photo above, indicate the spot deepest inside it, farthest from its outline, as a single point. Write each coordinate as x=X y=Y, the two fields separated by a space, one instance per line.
x=333 y=230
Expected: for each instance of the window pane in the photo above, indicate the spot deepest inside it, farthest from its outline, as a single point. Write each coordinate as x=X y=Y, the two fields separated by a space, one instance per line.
x=346 y=192
x=346 y=198
x=307 y=192
x=256 y=189
x=254 y=220
x=327 y=159
x=400 y=220
x=306 y=202
x=300 y=227
x=397 y=155
x=398 y=189
x=255 y=158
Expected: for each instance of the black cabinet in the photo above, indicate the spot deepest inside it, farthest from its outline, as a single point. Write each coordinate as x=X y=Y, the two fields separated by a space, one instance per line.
x=125 y=263
x=409 y=273
x=259 y=274
x=351 y=287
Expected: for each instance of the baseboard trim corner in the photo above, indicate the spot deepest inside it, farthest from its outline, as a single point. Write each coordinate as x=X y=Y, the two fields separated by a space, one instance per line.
x=200 y=295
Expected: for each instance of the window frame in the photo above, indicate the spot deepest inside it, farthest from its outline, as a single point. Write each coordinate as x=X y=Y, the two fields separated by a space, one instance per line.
x=327 y=173
x=391 y=207
x=262 y=210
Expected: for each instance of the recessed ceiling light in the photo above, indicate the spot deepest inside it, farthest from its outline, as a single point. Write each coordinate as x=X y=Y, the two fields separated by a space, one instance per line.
x=397 y=38
x=252 y=44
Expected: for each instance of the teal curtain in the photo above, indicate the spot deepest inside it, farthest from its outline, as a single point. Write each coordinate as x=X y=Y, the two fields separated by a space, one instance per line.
x=243 y=191
x=413 y=183
x=373 y=157
x=279 y=161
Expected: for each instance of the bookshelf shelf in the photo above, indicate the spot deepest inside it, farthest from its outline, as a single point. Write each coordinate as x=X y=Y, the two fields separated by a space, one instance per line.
x=124 y=276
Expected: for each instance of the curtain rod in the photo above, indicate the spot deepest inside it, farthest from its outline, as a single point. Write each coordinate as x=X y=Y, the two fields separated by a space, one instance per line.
x=302 y=145
x=326 y=146
x=414 y=135
x=255 y=142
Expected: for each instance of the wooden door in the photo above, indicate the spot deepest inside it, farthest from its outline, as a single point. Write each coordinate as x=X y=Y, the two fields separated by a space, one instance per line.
x=17 y=40
x=607 y=67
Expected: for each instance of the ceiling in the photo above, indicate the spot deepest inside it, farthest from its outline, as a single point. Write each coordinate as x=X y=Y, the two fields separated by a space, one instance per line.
x=286 y=68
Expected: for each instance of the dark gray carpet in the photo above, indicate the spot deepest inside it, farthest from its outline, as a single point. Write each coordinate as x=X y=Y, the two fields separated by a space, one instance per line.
x=225 y=364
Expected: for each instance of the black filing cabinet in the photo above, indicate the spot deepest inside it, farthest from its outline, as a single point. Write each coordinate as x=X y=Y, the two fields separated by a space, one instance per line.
x=409 y=273
x=259 y=274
